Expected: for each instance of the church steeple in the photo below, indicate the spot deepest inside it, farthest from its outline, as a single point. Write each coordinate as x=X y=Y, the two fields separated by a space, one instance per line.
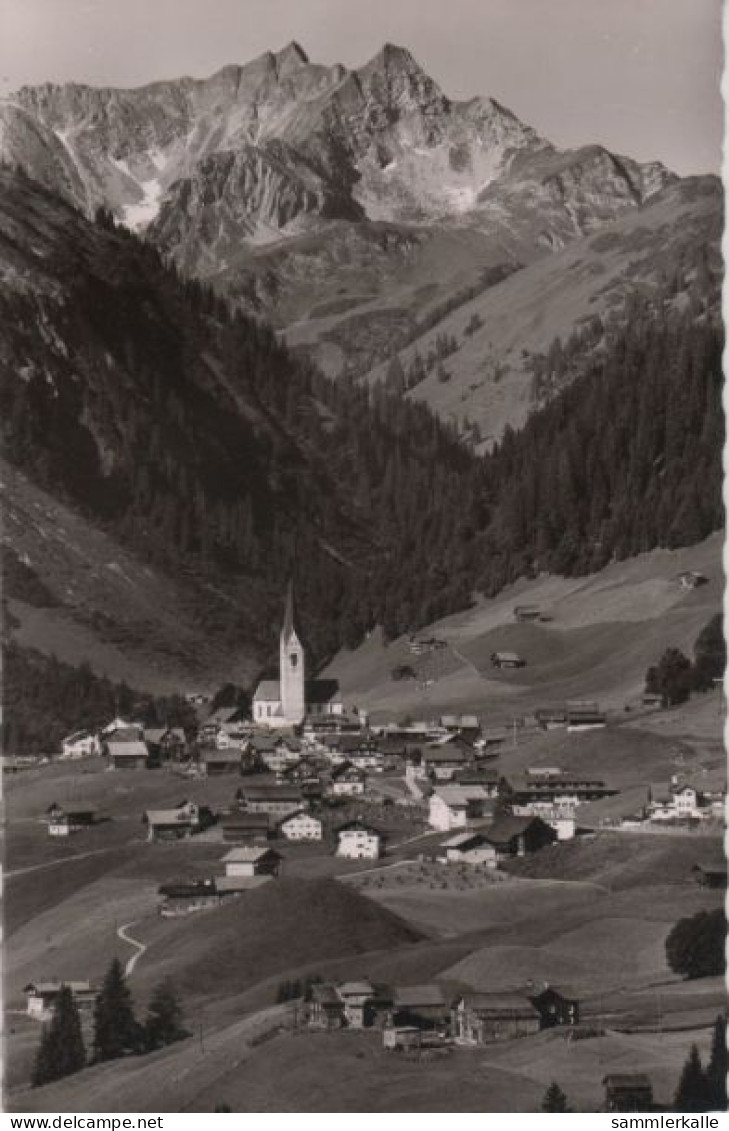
x=293 y=663
x=289 y=625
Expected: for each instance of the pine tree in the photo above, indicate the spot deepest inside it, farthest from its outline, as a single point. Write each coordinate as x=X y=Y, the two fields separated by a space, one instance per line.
x=716 y=1072
x=44 y=1067
x=116 y=1030
x=61 y=1051
x=163 y=1025
x=554 y=1099
x=692 y=1093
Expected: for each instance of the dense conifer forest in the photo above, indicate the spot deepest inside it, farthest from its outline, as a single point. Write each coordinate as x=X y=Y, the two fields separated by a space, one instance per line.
x=189 y=431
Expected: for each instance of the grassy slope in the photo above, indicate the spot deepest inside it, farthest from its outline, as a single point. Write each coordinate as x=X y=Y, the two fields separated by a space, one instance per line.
x=605 y=632
x=549 y=297
x=129 y=621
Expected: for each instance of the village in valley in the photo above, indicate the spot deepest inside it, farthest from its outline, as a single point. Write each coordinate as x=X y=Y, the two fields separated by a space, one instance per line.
x=441 y=898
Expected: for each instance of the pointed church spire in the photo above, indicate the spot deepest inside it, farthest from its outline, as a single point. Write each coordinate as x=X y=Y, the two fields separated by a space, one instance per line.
x=289 y=624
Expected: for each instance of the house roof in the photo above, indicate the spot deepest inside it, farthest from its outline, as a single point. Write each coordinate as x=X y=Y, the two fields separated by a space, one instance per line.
x=154 y=734
x=505 y=1003
x=347 y=770
x=504 y=829
x=297 y=814
x=223 y=715
x=462 y=839
x=271 y=793
x=239 y=883
x=477 y=776
x=187 y=889
x=268 y=691
x=458 y=796
x=718 y=868
x=358 y=826
x=54 y=987
x=446 y=752
x=325 y=993
x=76 y=811
x=214 y=755
x=132 y=749
x=78 y=736
x=248 y=854
x=245 y=820
x=355 y=989
x=181 y=816
x=412 y=996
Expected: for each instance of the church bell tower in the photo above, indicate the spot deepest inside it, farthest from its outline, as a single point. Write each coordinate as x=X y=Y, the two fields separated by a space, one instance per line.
x=292 y=666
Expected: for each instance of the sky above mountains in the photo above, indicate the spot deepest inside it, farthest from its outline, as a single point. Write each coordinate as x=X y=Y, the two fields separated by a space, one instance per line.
x=639 y=76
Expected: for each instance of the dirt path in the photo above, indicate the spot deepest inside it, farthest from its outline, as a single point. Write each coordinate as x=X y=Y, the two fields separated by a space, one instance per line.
x=61 y=860
x=140 y=947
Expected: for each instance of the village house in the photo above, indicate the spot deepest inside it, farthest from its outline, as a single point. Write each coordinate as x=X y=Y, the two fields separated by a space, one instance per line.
x=628 y=1091
x=367 y=760
x=301 y=825
x=42 y=997
x=691 y=579
x=517 y=836
x=486 y=776
x=484 y=1018
x=525 y=613
x=454 y=806
x=348 y=781
x=278 y=800
x=711 y=875
x=424 y=1007
x=442 y=762
x=119 y=730
x=555 y=1007
x=252 y=860
x=584 y=716
x=326 y=1008
x=173 y=824
x=63 y=821
x=402 y=1037
x=556 y=789
x=81 y=744
x=507 y=660
x=470 y=848
x=166 y=743
x=129 y=755
x=277 y=754
x=358 y=841
x=244 y=827
x=681 y=802
x=551 y=718
x=185 y=897
x=560 y=817
x=214 y=761
x=355 y=997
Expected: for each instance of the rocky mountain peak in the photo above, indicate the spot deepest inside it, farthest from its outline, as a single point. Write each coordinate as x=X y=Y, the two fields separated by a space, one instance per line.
x=291 y=58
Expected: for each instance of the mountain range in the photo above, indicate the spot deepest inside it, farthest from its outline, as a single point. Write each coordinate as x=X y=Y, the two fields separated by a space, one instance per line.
x=434 y=258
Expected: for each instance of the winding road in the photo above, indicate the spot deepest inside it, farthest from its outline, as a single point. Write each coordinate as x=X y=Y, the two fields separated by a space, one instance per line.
x=140 y=947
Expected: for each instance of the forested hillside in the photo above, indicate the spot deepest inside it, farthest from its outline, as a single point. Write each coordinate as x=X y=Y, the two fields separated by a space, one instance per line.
x=626 y=459
x=188 y=431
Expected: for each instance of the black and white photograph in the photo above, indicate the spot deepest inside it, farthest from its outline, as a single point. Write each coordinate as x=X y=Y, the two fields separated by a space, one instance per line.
x=362 y=532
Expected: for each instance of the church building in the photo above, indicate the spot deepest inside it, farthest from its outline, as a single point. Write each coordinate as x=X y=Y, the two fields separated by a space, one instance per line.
x=286 y=702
